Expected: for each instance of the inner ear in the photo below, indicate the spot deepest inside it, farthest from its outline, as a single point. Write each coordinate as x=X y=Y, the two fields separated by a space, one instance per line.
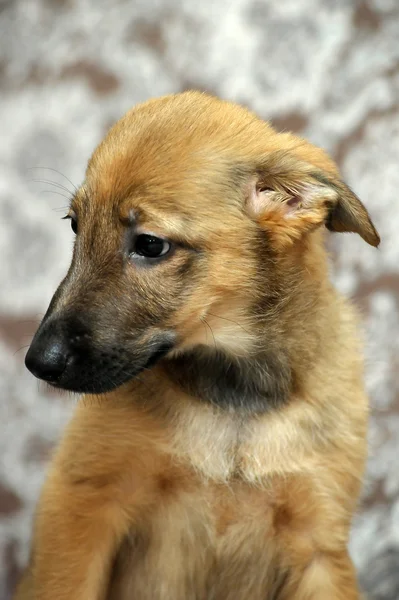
x=264 y=194
x=304 y=198
x=300 y=200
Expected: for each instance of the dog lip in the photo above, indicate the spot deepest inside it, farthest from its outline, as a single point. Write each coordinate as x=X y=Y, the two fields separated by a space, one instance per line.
x=158 y=354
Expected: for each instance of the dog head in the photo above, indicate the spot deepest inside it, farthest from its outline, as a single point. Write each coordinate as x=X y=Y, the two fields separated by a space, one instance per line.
x=192 y=227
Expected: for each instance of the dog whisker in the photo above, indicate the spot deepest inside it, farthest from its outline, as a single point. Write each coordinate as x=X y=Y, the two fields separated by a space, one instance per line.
x=30 y=321
x=22 y=348
x=53 y=183
x=55 y=171
x=62 y=209
x=54 y=192
x=230 y=320
x=205 y=322
x=123 y=372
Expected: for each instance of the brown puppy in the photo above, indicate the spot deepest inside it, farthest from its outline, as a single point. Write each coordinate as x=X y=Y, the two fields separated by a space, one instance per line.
x=219 y=451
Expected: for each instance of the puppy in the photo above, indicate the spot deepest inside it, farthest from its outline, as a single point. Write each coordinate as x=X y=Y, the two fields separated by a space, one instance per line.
x=219 y=447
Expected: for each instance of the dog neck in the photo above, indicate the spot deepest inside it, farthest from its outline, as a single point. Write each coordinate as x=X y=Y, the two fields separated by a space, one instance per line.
x=250 y=385
x=291 y=341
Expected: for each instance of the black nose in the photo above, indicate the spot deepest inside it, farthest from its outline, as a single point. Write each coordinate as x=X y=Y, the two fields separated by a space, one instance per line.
x=48 y=355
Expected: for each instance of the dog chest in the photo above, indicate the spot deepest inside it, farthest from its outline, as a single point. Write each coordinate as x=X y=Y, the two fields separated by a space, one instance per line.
x=218 y=543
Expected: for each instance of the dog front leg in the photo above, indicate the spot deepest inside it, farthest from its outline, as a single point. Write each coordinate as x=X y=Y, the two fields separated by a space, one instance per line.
x=77 y=531
x=98 y=484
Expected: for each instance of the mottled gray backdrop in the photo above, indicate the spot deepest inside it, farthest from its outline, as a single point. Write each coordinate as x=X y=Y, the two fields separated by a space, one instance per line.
x=69 y=68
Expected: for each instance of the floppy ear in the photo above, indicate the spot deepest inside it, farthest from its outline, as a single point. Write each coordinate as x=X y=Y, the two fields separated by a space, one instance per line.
x=290 y=197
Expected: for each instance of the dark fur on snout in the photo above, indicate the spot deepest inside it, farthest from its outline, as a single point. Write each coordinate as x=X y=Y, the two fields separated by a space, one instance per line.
x=228 y=465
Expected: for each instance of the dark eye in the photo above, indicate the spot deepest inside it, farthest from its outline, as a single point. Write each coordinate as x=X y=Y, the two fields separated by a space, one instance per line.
x=74 y=222
x=150 y=246
x=74 y=225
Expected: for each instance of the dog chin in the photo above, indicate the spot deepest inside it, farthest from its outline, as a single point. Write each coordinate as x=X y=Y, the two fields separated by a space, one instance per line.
x=93 y=384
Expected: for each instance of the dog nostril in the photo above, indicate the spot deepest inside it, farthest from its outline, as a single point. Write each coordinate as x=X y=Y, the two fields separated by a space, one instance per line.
x=47 y=362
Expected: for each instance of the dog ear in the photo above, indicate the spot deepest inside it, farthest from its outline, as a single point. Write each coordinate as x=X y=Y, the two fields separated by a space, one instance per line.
x=290 y=197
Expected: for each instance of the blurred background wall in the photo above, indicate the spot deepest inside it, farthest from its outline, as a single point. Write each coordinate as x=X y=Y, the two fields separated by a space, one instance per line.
x=328 y=70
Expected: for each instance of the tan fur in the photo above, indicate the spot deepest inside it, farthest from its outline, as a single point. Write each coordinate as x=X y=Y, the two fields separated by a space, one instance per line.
x=152 y=493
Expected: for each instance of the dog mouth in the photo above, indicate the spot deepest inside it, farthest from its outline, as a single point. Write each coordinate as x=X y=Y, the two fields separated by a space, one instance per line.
x=113 y=374
x=96 y=371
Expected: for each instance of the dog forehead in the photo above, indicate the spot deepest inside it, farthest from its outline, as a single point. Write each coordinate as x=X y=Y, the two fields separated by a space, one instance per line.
x=171 y=143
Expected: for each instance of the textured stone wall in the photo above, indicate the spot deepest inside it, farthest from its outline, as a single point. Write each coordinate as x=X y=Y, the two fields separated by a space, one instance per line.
x=326 y=69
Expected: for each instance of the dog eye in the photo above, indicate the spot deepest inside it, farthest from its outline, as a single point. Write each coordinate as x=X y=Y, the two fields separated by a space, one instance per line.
x=74 y=225
x=150 y=246
x=74 y=222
